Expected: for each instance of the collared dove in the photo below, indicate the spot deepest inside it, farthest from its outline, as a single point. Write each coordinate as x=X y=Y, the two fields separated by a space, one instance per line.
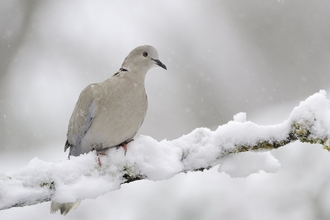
x=109 y=114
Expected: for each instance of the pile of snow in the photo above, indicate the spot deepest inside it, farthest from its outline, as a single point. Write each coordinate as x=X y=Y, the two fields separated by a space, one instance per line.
x=81 y=177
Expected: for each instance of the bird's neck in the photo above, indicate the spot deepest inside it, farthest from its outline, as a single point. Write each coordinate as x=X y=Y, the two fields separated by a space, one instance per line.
x=132 y=75
x=136 y=70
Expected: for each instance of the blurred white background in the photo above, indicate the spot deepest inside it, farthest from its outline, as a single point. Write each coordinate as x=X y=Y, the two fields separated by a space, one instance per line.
x=223 y=57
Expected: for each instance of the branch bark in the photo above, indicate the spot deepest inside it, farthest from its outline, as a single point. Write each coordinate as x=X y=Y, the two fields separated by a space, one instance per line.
x=81 y=177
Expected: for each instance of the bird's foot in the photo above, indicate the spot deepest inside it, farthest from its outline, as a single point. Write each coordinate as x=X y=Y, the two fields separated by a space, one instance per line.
x=98 y=158
x=124 y=145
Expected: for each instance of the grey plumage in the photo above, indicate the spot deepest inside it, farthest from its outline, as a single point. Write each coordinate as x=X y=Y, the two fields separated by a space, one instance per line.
x=110 y=113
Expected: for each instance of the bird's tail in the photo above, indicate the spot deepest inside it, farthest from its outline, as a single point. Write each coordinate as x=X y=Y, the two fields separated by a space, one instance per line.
x=64 y=207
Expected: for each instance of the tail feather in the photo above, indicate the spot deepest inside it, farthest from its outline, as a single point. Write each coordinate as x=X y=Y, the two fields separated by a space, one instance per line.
x=64 y=207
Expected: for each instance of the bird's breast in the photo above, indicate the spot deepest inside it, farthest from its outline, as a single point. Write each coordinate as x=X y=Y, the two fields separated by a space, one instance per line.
x=119 y=114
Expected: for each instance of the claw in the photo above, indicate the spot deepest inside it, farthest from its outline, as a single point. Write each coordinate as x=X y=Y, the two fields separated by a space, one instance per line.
x=124 y=145
x=98 y=158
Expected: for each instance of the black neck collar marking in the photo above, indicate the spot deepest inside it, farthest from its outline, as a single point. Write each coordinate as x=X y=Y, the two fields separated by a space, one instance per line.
x=122 y=69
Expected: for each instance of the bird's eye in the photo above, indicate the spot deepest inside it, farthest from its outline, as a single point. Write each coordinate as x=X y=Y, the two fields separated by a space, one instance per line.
x=145 y=54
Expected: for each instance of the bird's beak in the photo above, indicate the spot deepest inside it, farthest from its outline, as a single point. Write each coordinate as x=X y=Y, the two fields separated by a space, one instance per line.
x=159 y=63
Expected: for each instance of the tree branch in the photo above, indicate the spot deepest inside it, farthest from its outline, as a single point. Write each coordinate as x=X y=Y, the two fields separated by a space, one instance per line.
x=81 y=177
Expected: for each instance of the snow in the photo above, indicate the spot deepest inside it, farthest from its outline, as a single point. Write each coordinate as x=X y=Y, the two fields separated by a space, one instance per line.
x=156 y=160
x=314 y=111
x=244 y=164
x=81 y=177
x=240 y=117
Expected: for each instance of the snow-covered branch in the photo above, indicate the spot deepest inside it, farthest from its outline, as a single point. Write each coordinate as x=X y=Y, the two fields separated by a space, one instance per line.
x=81 y=177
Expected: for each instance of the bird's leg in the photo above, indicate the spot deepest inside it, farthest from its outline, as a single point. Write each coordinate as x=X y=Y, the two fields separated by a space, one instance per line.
x=124 y=145
x=98 y=157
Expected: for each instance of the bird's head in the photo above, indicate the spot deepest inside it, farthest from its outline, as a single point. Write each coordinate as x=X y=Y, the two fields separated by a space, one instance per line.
x=142 y=59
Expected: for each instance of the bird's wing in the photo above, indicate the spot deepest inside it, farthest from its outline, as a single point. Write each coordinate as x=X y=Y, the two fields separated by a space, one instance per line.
x=82 y=117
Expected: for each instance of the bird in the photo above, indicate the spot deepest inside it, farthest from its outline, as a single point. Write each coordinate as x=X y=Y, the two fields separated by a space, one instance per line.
x=110 y=113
